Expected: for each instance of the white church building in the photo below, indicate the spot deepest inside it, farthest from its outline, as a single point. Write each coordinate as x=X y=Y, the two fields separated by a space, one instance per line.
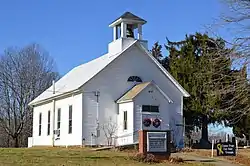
x=117 y=94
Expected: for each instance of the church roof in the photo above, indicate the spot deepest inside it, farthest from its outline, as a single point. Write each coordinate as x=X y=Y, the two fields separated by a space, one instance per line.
x=136 y=90
x=80 y=75
x=77 y=77
x=129 y=16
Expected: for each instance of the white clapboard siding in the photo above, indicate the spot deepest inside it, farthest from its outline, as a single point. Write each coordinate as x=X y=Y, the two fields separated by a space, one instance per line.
x=65 y=138
x=112 y=84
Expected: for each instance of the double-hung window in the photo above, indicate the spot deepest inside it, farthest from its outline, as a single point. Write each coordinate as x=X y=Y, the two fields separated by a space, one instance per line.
x=58 y=121
x=40 y=124
x=125 y=120
x=150 y=108
x=48 y=129
x=70 y=119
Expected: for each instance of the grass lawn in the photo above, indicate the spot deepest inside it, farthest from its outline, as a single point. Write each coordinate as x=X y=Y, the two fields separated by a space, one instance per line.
x=71 y=156
x=242 y=157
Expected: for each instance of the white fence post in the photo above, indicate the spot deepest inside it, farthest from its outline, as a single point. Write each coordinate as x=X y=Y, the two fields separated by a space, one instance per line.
x=212 y=149
x=236 y=142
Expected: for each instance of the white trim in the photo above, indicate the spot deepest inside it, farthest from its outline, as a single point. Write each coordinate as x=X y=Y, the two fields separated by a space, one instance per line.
x=151 y=83
x=56 y=96
x=126 y=20
x=123 y=29
x=125 y=101
x=114 y=33
x=164 y=94
x=181 y=89
x=116 y=22
x=182 y=106
x=150 y=113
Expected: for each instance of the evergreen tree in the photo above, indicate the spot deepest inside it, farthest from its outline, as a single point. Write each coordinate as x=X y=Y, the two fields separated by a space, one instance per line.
x=193 y=63
x=202 y=65
x=157 y=54
x=156 y=51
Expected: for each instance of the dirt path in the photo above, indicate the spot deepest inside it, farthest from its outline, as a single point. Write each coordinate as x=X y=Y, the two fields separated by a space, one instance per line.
x=202 y=159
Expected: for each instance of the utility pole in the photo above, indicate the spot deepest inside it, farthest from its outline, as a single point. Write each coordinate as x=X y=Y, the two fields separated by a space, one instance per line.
x=53 y=116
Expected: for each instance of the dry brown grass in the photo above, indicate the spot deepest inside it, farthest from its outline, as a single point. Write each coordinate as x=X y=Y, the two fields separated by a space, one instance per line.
x=242 y=157
x=72 y=156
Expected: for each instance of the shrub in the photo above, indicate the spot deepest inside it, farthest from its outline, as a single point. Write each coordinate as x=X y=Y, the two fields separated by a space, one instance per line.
x=146 y=158
x=150 y=158
x=186 y=150
x=139 y=157
x=176 y=160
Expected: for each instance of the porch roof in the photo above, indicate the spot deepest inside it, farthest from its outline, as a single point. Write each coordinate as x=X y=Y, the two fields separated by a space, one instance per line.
x=136 y=90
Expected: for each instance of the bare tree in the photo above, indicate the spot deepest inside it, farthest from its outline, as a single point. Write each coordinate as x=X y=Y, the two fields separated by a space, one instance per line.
x=24 y=74
x=237 y=18
x=235 y=89
x=110 y=128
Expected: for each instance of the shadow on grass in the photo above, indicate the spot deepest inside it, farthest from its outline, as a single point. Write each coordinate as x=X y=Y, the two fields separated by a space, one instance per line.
x=103 y=157
x=202 y=160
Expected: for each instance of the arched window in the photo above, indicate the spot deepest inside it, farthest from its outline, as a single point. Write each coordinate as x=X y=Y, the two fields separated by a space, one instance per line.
x=134 y=79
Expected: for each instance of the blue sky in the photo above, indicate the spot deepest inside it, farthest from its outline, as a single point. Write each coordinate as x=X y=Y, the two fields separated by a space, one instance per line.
x=74 y=32
x=77 y=31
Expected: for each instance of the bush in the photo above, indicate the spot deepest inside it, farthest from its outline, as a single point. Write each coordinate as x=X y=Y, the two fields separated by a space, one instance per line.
x=176 y=160
x=146 y=158
x=150 y=158
x=186 y=150
x=139 y=157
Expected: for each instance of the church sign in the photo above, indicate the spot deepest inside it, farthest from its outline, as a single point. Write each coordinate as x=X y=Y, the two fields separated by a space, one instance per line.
x=156 y=142
x=226 y=149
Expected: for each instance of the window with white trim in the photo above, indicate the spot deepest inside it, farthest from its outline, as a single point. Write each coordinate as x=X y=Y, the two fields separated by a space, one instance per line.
x=48 y=127
x=125 y=120
x=40 y=124
x=150 y=108
x=70 y=119
x=58 y=120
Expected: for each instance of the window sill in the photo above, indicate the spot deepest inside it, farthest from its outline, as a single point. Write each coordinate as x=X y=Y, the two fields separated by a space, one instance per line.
x=151 y=113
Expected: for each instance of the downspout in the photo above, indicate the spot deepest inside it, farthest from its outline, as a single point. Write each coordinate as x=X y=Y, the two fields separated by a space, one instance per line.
x=97 y=94
x=32 y=128
x=53 y=117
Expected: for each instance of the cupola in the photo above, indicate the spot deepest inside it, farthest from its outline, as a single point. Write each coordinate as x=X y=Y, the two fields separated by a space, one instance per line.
x=126 y=29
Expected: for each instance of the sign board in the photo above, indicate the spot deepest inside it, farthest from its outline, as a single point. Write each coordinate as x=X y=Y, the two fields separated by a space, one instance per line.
x=156 y=141
x=226 y=149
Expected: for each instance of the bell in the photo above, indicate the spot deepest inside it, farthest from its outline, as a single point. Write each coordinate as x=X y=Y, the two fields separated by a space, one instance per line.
x=130 y=32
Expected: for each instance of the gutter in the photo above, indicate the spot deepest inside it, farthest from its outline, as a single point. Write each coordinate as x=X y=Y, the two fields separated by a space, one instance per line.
x=54 y=97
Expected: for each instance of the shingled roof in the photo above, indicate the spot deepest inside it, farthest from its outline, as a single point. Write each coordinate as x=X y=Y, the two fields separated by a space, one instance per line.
x=128 y=15
x=137 y=89
x=132 y=93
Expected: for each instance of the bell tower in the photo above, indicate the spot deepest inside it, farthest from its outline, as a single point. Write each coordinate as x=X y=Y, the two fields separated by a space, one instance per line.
x=126 y=29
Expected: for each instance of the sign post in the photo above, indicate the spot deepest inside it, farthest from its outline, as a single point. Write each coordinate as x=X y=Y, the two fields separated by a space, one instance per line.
x=226 y=149
x=212 y=149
